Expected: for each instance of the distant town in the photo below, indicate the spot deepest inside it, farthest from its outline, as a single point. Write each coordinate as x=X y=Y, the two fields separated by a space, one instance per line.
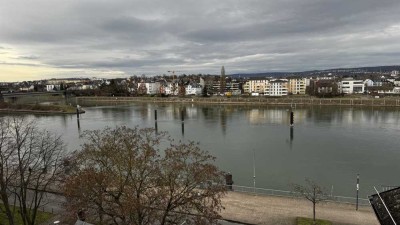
x=328 y=83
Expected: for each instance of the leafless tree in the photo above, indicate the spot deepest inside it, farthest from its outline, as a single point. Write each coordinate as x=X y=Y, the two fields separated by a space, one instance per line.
x=312 y=192
x=137 y=176
x=30 y=165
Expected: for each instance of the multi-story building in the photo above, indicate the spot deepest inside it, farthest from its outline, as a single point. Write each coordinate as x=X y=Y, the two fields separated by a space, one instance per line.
x=351 y=86
x=278 y=87
x=255 y=85
x=297 y=86
x=152 y=88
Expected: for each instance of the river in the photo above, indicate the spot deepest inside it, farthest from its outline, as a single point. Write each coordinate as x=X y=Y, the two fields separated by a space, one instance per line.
x=330 y=145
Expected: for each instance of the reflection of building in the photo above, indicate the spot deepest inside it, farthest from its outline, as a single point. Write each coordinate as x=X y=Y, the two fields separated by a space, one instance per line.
x=277 y=116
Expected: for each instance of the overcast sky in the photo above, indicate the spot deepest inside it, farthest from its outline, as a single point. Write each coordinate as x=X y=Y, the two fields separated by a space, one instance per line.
x=115 y=38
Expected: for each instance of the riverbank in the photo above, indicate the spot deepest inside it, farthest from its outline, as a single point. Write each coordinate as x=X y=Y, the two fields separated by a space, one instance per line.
x=284 y=101
x=271 y=210
x=37 y=109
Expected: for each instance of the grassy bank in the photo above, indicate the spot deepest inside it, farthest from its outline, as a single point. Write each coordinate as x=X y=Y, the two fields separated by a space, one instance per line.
x=37 y=108
x=41 y=217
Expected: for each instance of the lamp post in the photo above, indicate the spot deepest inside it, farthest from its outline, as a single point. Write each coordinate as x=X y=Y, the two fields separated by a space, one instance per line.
x=358 y=188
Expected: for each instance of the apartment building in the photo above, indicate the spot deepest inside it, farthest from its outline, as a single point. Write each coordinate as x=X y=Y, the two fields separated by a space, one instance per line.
x=351 y=86
x=297 y=86
x=278 y=87
x=255 y=85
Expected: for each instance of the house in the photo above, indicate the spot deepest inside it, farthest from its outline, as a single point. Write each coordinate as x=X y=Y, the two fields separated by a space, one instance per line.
x=193 y=89
x=53 y=87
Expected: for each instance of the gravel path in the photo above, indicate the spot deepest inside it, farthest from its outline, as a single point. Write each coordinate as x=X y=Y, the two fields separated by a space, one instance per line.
x=283 y=210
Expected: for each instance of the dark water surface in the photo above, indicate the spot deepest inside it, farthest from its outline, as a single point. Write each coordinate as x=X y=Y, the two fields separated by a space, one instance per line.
x=328 y=144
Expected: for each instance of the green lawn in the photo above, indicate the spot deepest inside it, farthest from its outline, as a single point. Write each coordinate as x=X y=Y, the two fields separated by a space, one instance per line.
x=308 y=221
x=40 y=218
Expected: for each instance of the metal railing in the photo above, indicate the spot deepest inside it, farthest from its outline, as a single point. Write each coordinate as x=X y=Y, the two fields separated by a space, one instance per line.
x=243 y=100
x=283 y=193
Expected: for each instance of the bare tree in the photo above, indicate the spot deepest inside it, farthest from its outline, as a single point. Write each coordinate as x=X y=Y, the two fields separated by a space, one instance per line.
x=312 y=192
x=135 y=176
x=31 y=163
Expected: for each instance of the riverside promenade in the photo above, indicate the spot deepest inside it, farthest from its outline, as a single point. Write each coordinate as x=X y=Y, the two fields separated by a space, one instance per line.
x=271 y=210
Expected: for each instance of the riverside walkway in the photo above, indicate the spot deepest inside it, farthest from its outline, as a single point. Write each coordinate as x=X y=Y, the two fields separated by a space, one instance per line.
x=272 y=210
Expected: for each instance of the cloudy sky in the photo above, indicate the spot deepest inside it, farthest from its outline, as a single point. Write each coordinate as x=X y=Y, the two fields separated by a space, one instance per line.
x=116 y=38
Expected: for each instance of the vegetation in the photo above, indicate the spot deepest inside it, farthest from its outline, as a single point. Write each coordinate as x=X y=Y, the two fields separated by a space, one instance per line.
x=38 y=107
x=30 y=166
x=140 y=177
x=40 y=218
x=312 y=192
x=308 y=221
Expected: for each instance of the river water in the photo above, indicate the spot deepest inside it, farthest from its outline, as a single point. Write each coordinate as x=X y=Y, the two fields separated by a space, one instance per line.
x=330 y=145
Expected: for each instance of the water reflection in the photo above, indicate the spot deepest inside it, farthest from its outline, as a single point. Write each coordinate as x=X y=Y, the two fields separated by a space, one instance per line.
x=332 y=143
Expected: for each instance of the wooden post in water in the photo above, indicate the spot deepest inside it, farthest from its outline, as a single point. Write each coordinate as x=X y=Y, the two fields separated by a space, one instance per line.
x=183 y=122
x=77 y=111
x=155 y=115
x=291 y=118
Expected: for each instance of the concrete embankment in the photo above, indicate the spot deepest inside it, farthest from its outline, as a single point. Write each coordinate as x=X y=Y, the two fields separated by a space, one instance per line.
x=273 y=210
x=298 y=101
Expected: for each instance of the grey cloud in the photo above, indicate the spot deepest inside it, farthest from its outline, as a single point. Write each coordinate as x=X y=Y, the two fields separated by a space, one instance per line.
x=200 y=36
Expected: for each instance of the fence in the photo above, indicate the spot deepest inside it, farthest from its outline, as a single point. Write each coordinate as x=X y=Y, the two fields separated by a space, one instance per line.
x=282 y=193
x=393 y=102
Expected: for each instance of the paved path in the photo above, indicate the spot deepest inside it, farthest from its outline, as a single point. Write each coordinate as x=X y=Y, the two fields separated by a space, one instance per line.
x=283 y=210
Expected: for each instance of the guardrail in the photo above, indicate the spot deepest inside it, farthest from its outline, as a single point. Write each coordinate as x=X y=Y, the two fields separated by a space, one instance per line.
x=283 y=193
x=242 y=100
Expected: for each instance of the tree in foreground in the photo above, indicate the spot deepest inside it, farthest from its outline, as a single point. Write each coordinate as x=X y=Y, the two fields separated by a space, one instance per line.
x=31 y=163
x=312 y=192
x=137 y=176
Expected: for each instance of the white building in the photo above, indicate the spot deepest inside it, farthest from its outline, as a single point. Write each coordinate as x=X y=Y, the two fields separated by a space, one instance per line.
x=193 y=89
x=52 y=87
x=278 y=87
x=152 y=88
x=351 y=86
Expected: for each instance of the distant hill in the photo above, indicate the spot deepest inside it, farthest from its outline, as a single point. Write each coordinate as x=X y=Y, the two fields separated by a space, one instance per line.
x=336 y=71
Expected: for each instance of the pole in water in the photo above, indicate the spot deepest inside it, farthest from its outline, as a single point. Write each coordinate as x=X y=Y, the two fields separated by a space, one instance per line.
x=183 y=128
x=182 y=116
x=156 y=127
x=77 y=111
x=358 y=188
x=155 y=115
x=291 y=118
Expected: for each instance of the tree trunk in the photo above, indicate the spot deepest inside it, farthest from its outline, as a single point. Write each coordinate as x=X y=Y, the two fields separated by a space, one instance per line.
x=314 y=222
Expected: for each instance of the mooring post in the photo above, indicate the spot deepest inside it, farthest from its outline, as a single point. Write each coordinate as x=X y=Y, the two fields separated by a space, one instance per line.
x=77 y=111
x=182 y=116
x=291 y=118
x=155 y=115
